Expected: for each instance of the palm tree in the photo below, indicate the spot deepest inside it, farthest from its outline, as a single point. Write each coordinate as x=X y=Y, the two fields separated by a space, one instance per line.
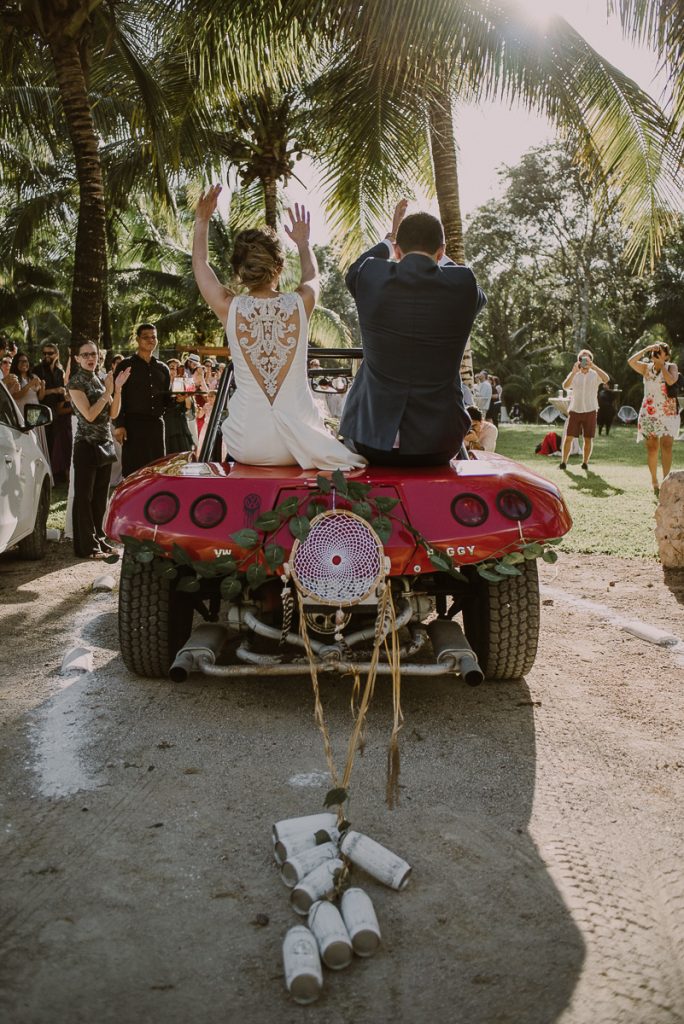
x=53 y=53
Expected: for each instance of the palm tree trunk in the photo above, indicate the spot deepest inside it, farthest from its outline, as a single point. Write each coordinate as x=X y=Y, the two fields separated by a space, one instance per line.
x=271 y=202
x=90 y=261
x=445 y=165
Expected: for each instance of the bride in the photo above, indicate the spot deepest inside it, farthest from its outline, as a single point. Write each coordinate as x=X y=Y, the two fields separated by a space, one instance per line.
x=273 y=418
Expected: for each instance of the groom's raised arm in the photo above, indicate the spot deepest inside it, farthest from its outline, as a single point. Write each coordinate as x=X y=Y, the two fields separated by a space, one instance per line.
x=382 y=251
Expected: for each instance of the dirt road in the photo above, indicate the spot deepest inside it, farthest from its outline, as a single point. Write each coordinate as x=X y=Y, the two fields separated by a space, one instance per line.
x=544 y=820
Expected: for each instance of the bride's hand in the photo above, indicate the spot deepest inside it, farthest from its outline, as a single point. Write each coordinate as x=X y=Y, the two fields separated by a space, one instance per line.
x=300 y=225
x=207 y=202
x=399 y=214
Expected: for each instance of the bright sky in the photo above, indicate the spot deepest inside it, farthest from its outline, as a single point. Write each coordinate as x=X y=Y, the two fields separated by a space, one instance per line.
x=492 y=134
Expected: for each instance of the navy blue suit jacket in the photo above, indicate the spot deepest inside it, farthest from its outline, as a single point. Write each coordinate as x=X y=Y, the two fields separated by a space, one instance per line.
x=415 y=320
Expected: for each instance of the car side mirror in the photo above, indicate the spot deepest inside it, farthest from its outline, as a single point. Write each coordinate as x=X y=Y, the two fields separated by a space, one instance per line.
x=36 y=416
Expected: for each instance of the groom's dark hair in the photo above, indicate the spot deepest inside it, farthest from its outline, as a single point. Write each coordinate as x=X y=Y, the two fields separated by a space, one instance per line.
x=420 y=232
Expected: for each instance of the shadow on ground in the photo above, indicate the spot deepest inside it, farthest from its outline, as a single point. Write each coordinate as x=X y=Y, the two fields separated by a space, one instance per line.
x=674 y=581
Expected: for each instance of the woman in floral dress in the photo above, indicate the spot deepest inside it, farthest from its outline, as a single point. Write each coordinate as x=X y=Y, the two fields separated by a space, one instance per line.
x=658 y=421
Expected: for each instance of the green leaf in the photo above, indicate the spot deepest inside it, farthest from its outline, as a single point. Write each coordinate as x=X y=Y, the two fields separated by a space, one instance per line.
x=458 y=575
x=245 y=538
x=143 y=556
x=487 y=574
x=111 y=559
x=151 y=545
x=335 y=797
x=324 y=485
x=230 y=588
x=507 y=570
x=288 y=508
x=554 y=540
x=274 y=555
x=268 y=521
x=340 y=482
x=385 y=504
x=180 y=556
x=188 y=584
x=533 y=550
x=256 y=574
x=363 y=509
x=225 y=564
x=513 y=558
x=358 y=491
x=550 y=556
x=441 y=560
x=383 y=527
x=299 y=527
x=315 y=508
x=131 y=544
x=164 y=569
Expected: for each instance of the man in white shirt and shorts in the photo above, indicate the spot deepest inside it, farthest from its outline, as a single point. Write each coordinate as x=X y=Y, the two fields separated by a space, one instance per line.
x=584 y=379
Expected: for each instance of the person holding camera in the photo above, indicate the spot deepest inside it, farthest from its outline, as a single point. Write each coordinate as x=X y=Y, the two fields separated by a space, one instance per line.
x=584 y=380
x=658 y=422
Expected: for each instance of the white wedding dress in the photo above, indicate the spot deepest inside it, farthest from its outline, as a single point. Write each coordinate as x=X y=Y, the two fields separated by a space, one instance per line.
x=272 y=417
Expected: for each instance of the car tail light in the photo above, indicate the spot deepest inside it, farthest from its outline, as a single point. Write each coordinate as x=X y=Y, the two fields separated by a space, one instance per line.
x=469 y=510
x=513 y=505
x=162 y=508
x=208 y=511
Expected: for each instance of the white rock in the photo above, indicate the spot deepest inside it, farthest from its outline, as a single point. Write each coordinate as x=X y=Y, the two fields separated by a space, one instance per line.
x=78 y=659
x=651 y=634
x=670 y=520
x=106 y=582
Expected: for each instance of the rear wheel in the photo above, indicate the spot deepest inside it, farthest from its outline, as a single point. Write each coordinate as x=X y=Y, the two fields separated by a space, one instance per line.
x=33 y=546
x=155 y=619
x=501 y=622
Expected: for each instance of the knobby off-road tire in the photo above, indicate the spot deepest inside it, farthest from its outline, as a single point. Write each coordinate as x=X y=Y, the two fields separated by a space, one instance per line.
x=33 y=546
x=501 y=622
x=154 y=620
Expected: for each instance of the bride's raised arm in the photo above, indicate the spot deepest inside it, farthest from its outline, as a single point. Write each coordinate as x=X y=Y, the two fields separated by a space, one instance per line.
x=215 y=294
x=298 y=231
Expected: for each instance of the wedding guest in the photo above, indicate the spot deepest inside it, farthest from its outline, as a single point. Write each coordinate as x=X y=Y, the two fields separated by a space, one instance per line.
x=482 y=434
x=658 y=422
x=94 y=402
x=584 y=380
x=139 y=426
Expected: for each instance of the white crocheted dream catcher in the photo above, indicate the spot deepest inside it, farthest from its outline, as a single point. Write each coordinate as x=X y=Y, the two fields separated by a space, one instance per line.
x=341 y=563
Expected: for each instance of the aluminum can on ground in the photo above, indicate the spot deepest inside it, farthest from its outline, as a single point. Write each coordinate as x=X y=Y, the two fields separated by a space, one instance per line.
x=292 y=846
x=302 y=964
x=309 y=823
x=320 y=883
x=360 y=921
x=296 y=868
x=330 y=933
x=376 y=860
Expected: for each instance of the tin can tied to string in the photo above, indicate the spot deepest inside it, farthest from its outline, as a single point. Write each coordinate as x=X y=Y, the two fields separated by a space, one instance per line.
x=331 y=935
x=316 y=885
x=302 y=965
x=296 y=868
x=360 y=921
x=376 y=860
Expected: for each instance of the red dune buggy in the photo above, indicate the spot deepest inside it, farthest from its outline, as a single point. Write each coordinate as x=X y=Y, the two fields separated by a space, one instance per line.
x=243 y=553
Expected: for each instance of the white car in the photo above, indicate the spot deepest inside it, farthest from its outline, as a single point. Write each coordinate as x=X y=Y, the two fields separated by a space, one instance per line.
x=24 y=478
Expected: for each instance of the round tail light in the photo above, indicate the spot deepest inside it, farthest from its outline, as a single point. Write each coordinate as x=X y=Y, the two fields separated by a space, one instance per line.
x=513 y=505
x=469 y=510
x=162 y=508
x=208 y=511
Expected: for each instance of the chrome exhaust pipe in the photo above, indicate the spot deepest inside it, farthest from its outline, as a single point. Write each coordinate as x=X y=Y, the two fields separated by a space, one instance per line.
x=449 y=643
x=203 y=645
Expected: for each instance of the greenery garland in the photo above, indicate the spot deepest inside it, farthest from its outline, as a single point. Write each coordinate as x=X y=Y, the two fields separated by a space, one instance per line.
x=265 y=556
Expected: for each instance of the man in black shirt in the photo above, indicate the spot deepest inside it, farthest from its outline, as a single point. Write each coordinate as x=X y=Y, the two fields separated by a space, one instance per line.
x=139 y=427
x=58 y=433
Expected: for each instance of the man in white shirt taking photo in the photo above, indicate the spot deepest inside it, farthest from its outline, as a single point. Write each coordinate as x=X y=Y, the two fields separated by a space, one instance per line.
x=584 y=379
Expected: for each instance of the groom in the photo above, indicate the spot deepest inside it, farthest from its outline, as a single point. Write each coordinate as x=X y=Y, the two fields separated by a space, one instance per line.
x=405 y=407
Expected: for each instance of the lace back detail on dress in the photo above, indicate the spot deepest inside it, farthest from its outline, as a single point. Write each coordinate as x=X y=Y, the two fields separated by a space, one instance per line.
x=267 y=331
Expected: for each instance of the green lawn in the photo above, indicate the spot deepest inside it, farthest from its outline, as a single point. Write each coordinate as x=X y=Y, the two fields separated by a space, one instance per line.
x=612 y=505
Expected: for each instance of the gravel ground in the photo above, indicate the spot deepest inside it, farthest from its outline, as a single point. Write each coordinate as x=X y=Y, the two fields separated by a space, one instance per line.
x=543 y=819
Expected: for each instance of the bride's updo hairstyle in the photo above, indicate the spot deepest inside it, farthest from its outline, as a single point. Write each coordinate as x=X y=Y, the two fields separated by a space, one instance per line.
x=258 y=256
